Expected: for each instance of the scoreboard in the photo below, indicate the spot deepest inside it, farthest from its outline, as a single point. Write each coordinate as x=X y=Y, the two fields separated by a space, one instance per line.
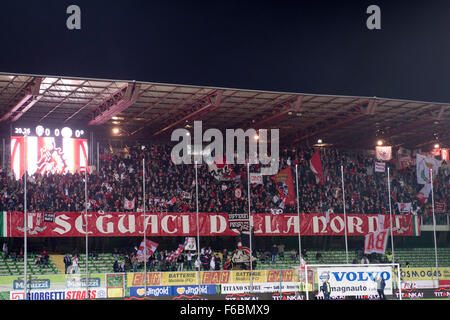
x=46 y=150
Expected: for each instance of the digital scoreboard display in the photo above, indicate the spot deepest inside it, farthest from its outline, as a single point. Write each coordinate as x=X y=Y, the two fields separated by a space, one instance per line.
x=48 y=150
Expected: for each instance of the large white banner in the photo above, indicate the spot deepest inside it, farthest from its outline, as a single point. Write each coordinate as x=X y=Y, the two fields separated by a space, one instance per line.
x=375 y=242
x=358 y=280
x=383 y=153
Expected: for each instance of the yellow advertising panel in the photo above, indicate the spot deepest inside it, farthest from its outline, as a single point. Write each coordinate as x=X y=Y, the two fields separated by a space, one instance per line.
x=285 y=275
x=415 y=274
x=138 y=279
x=244 y=276
x=215 y=277
x=115 y=292
x=179 y=278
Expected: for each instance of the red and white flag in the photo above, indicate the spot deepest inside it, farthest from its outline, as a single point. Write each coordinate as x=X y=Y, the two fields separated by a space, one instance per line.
x=173 y=256
x=316 y=167
x=129 y=204
x=424 y=193
x=445 y=155
x=172 y=201
x=149 y=248
x=380 y=167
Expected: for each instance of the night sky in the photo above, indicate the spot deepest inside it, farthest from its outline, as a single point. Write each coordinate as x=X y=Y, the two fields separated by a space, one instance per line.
x=321 y=47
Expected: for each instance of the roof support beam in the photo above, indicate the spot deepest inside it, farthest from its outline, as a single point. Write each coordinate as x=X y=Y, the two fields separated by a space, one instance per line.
x=115 y=104
x=33 y=92
x=351 y=118
x=288 y=107
x=212 y=104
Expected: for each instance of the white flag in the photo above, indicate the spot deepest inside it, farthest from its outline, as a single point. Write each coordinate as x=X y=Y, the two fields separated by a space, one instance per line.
x=423 y=166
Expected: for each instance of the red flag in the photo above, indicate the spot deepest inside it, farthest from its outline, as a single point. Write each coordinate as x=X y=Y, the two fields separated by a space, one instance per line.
x=316 y=167
x=285 y=186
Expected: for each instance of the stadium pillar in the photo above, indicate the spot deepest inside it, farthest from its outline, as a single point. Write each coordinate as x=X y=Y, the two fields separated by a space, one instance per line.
x=3 y=153
x=250 y=226
x=298 y=214
x=434 y=226
x=345 y=215
x=145 y=226
x=198 y=227
x=87 y=236
x=25 y=222
x=390 y=214
x=98 y=156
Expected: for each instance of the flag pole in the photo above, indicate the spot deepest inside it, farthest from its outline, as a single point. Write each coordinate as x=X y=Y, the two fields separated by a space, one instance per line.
x=198 y=227
x=250 y=226
x=25 y=224
x=434 y=224
x=87 y=240
x=345 y=214
x=298 y=214
x=145 y=226
x=390 y=214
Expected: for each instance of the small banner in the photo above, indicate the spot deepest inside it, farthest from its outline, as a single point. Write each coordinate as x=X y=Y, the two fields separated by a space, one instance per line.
x=190 y=244
x=440 y=207
x=380 y=167
x=404 y=207
x=256 y=178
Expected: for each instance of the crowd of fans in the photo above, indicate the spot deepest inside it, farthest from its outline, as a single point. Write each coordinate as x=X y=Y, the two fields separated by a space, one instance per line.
x=118 y=183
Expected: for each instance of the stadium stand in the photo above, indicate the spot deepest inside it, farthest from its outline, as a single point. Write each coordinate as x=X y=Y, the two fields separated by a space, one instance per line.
x=119 y=178
x=120 y=175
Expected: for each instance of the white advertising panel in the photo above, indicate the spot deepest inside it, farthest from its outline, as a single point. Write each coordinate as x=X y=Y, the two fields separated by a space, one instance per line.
x=258 y=287
x=76 y=294
x=351 y=281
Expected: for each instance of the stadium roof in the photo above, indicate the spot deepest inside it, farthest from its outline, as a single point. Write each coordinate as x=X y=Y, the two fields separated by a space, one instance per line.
x=154 y=110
